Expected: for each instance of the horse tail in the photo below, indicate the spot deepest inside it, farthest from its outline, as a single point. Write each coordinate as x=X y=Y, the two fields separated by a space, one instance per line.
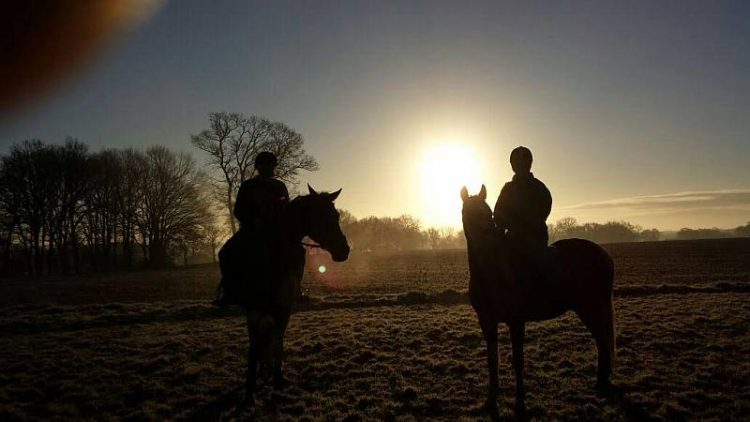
x=609 y=311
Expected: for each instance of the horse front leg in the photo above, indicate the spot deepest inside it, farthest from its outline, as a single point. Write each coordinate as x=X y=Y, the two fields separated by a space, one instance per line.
x=278 y=361
x=252 y=366
x=517 y=332
x=279 y=382
x=489 y=330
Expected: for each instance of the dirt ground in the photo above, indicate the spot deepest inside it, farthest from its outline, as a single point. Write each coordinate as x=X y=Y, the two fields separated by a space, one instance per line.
x=382 y=340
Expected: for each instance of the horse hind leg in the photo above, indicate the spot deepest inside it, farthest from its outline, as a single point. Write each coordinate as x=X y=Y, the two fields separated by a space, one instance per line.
x=600 y=322
x=489 y=331
x=252 y=369
x=517 y=334
x=279 y=382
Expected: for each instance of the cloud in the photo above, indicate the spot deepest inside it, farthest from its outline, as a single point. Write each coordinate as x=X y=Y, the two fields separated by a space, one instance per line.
x=723 y=208
x=674 y=201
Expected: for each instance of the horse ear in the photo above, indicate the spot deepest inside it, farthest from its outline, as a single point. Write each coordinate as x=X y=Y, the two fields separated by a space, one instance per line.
x=464 y=194
x=334 y=195
x=311 y=190
x=483 y=193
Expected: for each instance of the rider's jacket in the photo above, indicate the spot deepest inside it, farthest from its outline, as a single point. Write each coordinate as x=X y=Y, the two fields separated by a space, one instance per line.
x=522 y=208
x=259 y=204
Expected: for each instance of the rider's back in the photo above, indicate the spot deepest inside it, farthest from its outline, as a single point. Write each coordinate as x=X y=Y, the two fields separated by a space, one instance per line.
x=522 y=208
x=260 y=202
x=248 y=260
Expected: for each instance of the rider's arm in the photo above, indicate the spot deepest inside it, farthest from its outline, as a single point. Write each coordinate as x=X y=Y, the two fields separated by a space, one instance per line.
x=500 y=214
x=547 y=202
x=243 y=204
x=284 y=192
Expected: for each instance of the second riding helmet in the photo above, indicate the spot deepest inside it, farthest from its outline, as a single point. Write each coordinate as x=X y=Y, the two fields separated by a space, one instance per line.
x=266 y=159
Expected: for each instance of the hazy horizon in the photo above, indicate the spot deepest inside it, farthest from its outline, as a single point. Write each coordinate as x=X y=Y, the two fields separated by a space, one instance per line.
x=634 y=112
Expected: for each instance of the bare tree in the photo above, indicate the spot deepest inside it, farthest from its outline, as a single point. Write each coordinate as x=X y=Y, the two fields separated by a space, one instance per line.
x=232 y=141
x=26 y=177
x=172 y=203
x=433 y=235
x=213 y=234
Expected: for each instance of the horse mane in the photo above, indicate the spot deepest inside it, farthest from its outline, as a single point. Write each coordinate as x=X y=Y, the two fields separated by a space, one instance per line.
x=302 y=197
x=494 y=248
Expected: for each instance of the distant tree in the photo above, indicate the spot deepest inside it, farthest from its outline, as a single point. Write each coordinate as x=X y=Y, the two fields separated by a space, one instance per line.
x=74 y=179
x=433 y=235
x=128 y=196
x=383 y=233
x=27 y=180
x=173 y=206
x=703 y=233
x=743 y=231
x=213 y=234
x=346 y=219
x=232 y=141
x=60 y=202
x=650 y=235
x=447 y=237
x=562 y=228
x=611 y=231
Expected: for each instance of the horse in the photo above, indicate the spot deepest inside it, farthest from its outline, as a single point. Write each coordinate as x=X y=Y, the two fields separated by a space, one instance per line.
x=583 y=285
x=314 y=216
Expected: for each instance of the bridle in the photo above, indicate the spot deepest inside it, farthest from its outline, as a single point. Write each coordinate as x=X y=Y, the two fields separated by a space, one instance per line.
x=311 y=245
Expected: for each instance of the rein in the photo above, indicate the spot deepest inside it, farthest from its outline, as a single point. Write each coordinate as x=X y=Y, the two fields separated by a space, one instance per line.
x=311 y=245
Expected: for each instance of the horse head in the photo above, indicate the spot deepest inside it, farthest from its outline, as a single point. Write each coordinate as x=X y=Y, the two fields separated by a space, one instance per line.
x=322 y=223
x=476 y=215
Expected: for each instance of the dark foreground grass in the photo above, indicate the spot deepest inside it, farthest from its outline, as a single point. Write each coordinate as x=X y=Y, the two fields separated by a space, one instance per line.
x=679 y=356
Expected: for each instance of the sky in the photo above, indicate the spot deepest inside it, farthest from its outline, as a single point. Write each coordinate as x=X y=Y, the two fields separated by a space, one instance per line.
x=636 y=111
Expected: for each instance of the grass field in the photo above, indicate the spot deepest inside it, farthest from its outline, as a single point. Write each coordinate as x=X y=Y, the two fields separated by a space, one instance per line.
x=388 y=336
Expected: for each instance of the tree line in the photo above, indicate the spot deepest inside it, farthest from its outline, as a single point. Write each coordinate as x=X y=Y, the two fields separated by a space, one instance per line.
x=622 y=231
x=713 y=233
x=397 y=233
x=609 y=232
x=65 y=209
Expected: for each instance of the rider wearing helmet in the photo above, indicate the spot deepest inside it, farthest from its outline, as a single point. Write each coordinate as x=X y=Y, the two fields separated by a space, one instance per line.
x=249 y=259
x=522 y=209
x=262 y=197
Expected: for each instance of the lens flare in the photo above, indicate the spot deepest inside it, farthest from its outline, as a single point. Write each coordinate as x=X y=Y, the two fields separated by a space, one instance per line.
x=322 y=269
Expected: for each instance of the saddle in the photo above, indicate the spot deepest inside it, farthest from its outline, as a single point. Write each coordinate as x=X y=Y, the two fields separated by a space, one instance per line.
x=247 y=270
x=538 y=268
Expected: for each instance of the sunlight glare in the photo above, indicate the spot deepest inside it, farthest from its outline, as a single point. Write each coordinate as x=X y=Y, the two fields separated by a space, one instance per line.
x=445 y=169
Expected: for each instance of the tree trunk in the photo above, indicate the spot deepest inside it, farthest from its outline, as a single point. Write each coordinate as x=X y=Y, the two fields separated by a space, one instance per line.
x=230 y=209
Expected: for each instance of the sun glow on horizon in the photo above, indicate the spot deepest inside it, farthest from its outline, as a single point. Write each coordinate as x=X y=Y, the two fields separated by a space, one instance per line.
x=444 y=170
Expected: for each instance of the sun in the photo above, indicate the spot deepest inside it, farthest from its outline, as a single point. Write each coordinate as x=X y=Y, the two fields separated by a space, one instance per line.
x=445 y=169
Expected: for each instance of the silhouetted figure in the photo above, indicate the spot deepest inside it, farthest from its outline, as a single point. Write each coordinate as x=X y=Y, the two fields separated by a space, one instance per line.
x=266 y=288
x=524 y=205
x=263 y=263
x=585 y=288
x=521 y=213
x=253 y=252
x=261 y=198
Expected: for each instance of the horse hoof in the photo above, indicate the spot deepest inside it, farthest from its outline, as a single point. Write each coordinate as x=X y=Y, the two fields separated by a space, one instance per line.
x=490 y=406
x=520 y=407
x=280 y=383
x=250 y=400
x=609 y=390
x=603 y=386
